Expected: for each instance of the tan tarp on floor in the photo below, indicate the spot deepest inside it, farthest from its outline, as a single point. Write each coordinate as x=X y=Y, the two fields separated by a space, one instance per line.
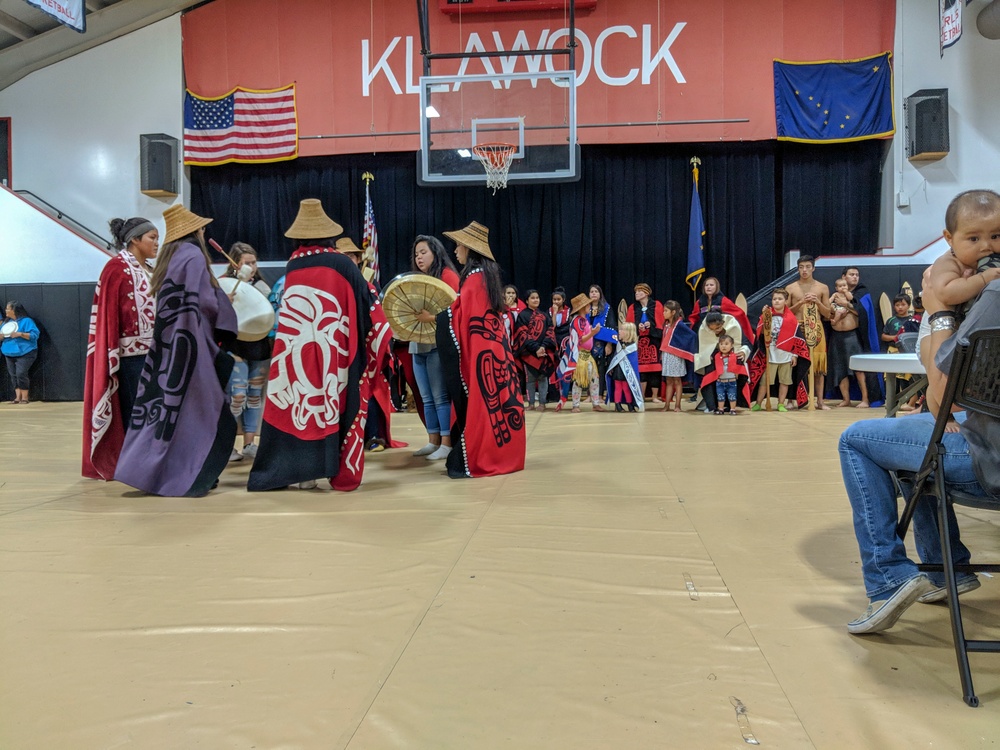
x=642 y=575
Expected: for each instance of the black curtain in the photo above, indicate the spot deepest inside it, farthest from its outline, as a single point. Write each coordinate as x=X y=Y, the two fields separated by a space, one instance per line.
x=624 y=221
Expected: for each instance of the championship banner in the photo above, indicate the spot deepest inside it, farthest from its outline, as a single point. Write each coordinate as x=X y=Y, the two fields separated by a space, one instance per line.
x=951 y=23
x=245 y=126
x=834 y=101
x=67 y=12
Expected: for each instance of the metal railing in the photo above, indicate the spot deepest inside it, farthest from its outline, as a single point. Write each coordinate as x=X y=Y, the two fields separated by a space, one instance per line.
x=64 y=217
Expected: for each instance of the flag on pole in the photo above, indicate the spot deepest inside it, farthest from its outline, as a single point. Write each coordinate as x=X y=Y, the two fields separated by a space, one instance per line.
x=696 y=234
x=242 y=126
x=369 y=240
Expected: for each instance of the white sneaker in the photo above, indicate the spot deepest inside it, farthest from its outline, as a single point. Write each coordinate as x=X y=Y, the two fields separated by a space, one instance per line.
x=426 y=450
x=235 y=456
x=250 y=451
x=440 y=454
x=309 y=484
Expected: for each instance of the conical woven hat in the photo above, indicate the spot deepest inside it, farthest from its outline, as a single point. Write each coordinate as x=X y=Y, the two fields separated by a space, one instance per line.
x=312 y=223
x=476 y=237
x=579 y=302
x=346 y=245
x=181 y=222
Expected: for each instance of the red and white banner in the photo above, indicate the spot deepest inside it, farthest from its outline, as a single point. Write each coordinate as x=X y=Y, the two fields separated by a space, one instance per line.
x=68 y=12
x=357 y=65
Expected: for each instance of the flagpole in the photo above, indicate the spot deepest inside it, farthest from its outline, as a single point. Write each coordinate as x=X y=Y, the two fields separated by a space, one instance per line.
x=694 y=162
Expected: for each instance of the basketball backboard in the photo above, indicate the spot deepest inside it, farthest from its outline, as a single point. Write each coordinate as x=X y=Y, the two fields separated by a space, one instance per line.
x=535 y=112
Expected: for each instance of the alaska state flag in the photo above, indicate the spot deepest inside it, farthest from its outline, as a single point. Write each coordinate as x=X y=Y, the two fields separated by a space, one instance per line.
x=833 y=102
x=696 y=237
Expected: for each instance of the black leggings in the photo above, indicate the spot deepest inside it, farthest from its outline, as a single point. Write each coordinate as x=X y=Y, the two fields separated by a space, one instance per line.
x=17 y=368
x=129 y=373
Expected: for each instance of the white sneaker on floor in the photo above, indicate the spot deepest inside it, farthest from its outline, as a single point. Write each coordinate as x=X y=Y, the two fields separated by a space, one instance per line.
x=309 y=484
x=426 y=450
x=440 y=454
x=235 y=456
x=250 y=451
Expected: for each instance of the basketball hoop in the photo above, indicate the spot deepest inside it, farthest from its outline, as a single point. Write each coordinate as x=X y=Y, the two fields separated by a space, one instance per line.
x=496 y=159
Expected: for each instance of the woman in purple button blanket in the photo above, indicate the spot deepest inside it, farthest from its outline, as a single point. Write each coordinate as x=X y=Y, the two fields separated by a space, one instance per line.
x=181 y=430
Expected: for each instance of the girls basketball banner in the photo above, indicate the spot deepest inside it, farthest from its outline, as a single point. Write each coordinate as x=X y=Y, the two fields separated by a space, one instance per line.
x=686 y=72
x=67 y=12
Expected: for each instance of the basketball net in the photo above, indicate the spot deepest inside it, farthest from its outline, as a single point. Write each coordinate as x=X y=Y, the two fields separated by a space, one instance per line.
x=496 y=159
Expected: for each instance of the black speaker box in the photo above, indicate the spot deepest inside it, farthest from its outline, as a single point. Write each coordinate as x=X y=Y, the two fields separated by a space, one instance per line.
x=927 y=137
x=158 y=164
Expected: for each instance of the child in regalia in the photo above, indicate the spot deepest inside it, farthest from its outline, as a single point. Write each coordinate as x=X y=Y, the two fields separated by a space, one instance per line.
x=678 y=347
x=623 y=384
x=729 y=373
x=535 y=347
x=580 y=367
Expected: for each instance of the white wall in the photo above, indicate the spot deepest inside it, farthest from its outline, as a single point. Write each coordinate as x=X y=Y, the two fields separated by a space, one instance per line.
x=970 y=70
x=36 y=250
x=75 y=126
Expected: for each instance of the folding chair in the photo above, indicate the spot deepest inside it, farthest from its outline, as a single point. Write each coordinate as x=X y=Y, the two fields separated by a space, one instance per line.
x=973 y=384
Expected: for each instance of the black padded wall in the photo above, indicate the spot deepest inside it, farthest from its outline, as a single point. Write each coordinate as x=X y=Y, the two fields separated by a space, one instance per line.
x=62 y=312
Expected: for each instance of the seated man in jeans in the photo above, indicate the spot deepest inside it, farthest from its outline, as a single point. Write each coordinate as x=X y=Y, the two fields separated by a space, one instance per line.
x=871 y=448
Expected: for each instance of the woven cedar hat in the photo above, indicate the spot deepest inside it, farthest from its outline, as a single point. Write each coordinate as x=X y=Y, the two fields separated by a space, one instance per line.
x=312 y=223
x=476 y=237
x=346 y=245
x=181 y=222
x=579 y=302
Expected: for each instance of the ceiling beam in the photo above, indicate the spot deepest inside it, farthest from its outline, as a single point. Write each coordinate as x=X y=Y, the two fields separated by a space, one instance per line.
x=94 y=5
x=18 y=28
x=104 y=25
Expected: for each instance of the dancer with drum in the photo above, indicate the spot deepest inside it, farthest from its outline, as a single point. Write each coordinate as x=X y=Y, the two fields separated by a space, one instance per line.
x=332 y=336
x=488 y=435
x=121 y=332
x=252 y=348
x=181 y=430
x=428 y=256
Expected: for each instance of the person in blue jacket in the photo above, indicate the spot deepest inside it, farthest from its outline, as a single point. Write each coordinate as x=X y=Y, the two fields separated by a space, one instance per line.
x=19 y=347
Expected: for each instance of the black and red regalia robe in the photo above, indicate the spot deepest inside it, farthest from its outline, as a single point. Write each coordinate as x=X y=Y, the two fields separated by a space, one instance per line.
x=488 y=435
x=722 y=304
x=649 y=338
x=739 y=369
x=789 y=339
x=332 y=338
x=533 y=330
x=121 y=325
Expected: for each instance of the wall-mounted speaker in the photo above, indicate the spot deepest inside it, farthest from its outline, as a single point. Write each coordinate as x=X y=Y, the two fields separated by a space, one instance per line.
x=927 y=137
x=158 y=165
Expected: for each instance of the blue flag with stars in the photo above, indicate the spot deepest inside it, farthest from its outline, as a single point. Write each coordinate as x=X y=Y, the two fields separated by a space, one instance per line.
x=834 y=102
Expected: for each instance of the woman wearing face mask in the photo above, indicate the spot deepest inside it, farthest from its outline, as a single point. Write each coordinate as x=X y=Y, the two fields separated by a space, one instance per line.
x=121 y=332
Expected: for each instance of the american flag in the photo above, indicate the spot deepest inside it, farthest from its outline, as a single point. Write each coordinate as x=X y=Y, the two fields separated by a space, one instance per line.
x=242 y=126
x=370 y=237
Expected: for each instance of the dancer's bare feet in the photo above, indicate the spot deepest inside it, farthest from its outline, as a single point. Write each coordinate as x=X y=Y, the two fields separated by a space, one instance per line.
x=862 y=405
x=844 y=403
x=821 y=406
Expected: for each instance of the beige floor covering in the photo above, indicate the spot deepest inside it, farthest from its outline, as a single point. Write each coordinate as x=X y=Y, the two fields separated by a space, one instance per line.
x=643 y=573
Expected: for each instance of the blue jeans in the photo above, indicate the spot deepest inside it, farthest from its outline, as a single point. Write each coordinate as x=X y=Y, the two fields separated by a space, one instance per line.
x=725 y=390
x=433 y=392
x=868 y=451
x=246 y=393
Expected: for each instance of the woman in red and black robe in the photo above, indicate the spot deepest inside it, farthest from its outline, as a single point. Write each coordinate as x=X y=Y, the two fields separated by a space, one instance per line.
x=713 y=300
x=121 y=333
x=488 y=434
x=647 y=314
x=535 y=347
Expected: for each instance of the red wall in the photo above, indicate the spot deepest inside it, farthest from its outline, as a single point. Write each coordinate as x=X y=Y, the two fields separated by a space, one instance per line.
x=724 y=53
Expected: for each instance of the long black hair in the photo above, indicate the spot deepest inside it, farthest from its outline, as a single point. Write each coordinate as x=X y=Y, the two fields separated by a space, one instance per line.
x=441 y=259
x=120 y=229
x=491 y=275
